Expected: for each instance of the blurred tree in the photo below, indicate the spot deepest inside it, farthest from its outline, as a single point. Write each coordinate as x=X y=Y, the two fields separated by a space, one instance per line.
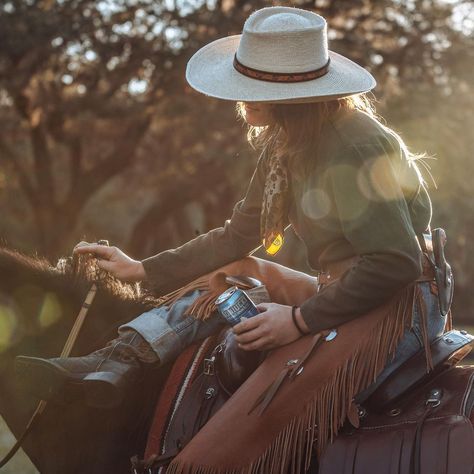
x=80 y=82
x=67 y=72
x=442 y=125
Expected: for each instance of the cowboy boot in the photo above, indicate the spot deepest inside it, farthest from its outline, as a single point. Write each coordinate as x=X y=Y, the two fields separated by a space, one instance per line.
x=101 y=379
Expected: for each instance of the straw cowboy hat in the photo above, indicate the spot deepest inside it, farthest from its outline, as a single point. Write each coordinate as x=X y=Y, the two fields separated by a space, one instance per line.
x=282 y=55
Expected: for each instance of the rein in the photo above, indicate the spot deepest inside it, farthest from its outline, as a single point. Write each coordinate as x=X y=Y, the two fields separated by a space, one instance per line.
x=68 y=346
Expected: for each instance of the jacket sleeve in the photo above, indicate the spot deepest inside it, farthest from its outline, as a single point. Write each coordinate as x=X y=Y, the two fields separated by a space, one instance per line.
x=374 y=217
x=240 y=234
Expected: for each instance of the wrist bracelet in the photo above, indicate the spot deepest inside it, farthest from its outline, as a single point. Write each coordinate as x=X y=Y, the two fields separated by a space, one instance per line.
x=295 y=322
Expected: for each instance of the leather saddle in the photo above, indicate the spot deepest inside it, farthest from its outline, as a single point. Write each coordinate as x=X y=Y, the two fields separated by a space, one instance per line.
x=411 y=402
x=416 y=422
x=224 y=369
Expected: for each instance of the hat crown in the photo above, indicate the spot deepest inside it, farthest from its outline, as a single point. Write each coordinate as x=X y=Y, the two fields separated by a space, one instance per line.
x=281 y=56
x=284 y=21
x=284 y=40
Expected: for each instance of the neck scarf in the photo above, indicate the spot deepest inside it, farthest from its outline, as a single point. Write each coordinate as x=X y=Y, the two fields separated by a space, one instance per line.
x=275 y=203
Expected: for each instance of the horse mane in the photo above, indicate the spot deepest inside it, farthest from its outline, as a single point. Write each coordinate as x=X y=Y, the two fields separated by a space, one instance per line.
x=76 y=272
x=41 y=301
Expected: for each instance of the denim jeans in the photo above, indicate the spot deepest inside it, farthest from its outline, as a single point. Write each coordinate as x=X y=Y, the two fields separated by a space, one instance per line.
x=169 y=332
x=412 y=340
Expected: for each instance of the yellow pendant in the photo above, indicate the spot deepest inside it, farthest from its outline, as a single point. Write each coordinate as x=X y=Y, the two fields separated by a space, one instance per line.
x=274 y=246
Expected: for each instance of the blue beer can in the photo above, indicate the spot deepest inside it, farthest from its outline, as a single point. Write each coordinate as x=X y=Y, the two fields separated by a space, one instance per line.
x=234 y=304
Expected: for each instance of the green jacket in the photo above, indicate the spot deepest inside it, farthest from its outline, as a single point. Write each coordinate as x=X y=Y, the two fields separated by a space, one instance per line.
x=359 y=196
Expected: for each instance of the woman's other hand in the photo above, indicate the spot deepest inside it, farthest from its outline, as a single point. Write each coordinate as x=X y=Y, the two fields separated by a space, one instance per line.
x=273 y=327
x=114 y=261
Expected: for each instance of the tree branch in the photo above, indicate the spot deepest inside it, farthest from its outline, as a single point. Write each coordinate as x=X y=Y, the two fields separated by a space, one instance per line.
x=14 y=160
x=174 y=197
x=118 y=159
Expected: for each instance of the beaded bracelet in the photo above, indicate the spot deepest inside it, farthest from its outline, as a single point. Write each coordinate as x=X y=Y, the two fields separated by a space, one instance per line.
x=295 y=322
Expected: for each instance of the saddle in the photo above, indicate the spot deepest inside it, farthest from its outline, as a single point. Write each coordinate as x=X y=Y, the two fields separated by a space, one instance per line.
x=414 y=421
x=214 y=386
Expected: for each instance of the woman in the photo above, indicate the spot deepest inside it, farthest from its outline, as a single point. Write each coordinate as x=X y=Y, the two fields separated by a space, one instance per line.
x=345 y=182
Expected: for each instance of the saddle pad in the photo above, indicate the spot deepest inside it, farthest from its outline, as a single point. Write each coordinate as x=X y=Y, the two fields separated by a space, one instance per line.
x=384 y=442
x=185 y=369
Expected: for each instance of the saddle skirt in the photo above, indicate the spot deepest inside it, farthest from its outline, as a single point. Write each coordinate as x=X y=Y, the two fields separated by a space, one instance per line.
x=412 y=423
x=426 y=432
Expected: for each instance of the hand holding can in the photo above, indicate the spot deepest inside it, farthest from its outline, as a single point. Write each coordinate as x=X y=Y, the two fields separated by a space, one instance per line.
x=234 y=304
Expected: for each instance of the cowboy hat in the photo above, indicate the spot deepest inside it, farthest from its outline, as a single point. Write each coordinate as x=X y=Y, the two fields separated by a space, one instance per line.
x=282 y=55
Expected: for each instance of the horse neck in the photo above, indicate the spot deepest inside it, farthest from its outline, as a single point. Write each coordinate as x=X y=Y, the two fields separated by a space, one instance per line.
x=39 y=298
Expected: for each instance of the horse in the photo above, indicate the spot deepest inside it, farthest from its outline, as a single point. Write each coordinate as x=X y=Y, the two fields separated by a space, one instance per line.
x=38 y=306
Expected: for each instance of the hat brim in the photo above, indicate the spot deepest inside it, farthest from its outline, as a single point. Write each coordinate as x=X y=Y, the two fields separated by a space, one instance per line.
x=211 y=72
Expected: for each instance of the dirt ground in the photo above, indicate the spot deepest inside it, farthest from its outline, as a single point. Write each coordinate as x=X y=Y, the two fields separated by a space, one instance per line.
x=20 y=464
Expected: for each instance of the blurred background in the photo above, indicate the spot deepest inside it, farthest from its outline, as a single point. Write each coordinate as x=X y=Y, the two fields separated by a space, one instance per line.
x=100 y=137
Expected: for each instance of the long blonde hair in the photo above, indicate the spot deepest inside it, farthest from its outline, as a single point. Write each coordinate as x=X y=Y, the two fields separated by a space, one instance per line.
x=297 y=127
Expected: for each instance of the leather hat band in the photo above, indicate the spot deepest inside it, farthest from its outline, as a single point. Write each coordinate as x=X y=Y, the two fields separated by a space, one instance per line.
x=287 y=77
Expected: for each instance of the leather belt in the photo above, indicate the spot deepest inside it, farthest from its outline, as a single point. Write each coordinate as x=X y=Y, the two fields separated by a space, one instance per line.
x=335 y=270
